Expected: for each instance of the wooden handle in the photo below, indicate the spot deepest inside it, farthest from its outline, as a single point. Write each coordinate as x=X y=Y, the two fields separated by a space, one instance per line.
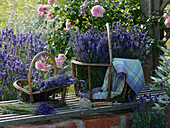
x=109 y=42
x=110 y=67
x=31 y=68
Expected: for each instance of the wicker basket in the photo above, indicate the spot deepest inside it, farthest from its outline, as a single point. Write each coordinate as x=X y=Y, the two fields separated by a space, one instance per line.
x=90 y=66
x=32 y=95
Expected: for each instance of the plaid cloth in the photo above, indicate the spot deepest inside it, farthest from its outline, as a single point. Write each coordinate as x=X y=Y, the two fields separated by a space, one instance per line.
x=133 y=70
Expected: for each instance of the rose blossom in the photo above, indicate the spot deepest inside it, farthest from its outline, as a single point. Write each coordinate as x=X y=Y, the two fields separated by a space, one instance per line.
x=65 y=29
x=164 y=39
x=39 y=65
x=51 y=2
x=167 y=22
x=45 y=8
x=62 y=57
x=40 y=8
x=97 y=11
x=59 y=63
x=83 y=12
x=68 y=25
x=41 y=14
x=46 y=68
x=49 y=15
x=165 y=15
x=84 y=5
x=60 y=60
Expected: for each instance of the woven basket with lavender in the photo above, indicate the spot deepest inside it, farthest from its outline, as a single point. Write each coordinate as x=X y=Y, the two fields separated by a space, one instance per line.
x=47 y=89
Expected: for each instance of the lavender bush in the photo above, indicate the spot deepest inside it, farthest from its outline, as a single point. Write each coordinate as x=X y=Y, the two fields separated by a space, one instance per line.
x=92 y=46
x=16 y=53
x=145 y=116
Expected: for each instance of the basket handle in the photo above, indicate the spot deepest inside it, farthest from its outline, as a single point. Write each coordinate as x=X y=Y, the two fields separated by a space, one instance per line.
x=110 y=67
x=109 y=42
x=31 y=68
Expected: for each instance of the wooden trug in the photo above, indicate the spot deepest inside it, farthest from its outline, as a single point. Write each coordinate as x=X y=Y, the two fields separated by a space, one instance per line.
x=18 y=84
x=89 y=65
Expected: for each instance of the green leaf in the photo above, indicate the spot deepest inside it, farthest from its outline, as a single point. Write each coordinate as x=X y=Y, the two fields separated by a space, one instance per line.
x=165 y=50
x=160 y=74
x=162 y=63
x=155 y=79
x=164 y=96
x=56 y=9
x=164 y=59
x=157 y=107
x=163 y=102
x=163 y=69
x=73 y=13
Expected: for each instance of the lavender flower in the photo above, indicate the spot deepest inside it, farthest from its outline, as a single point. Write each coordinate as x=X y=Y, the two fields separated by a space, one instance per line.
x=145 y=116
x=16 y=52
x=44 y=109
x=92 y=46
x=59 y=80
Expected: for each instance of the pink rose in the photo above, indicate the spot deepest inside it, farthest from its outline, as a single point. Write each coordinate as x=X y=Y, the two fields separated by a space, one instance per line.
x=97 y=11
x=164 y=39
x=83 y=12
x=41 y=14
x=84 y=5
x=46 y=68
x=45 y=8
x=43 y=26
x=39 y=65
x=165 y=15
x=50 y=15
x=40 y=8
x=65 y=29
x=167 y=22
x=68 y=25
x=62 y=57
x=59 y=63
x=51 y=2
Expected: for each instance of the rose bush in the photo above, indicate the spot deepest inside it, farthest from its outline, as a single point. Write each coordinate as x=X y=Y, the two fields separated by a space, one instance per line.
x=79 y=15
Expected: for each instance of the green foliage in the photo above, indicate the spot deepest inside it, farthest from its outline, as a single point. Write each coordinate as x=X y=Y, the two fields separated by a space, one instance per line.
x=162 y=78
x=163 y=70
x=124 y=12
